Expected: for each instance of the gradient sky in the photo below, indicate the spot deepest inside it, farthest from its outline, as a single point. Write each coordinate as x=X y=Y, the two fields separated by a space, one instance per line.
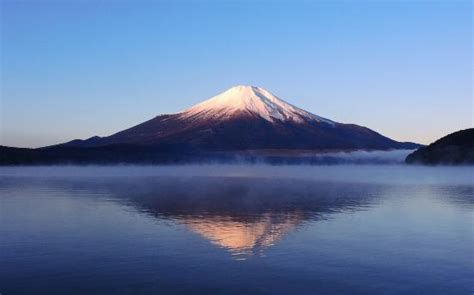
x=74 y=69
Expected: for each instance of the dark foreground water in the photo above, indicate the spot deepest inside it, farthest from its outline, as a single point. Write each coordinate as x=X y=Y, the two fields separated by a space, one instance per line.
x=237 y=230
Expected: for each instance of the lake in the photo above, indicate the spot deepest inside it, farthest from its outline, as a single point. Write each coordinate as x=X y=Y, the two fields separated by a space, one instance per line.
x=237 y=229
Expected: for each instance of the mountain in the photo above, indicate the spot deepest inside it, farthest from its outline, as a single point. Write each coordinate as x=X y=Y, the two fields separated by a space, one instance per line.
x=243 y=122
x=246 y=118
x=454 y=149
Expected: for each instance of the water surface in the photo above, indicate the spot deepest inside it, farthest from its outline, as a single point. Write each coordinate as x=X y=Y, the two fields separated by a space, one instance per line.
x=236 y=230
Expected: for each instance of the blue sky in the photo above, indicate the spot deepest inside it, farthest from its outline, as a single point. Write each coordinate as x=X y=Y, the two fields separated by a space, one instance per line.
x=74 y=69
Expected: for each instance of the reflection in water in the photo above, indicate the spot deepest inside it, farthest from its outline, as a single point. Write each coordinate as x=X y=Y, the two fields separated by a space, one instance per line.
x=242 y=215
x=244 y=238
x=136 y=234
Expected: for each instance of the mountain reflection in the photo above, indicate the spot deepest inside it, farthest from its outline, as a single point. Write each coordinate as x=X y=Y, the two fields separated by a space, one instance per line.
x=244 y=238
x=242 y=215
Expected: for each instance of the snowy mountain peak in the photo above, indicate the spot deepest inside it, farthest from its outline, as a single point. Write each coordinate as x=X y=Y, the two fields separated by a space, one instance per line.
x=249 y=99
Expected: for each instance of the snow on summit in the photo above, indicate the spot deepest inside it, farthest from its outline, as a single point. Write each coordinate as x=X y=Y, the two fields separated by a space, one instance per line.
x=250 y=99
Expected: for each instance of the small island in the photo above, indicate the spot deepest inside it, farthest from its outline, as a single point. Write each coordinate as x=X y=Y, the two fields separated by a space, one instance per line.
x=454 y=149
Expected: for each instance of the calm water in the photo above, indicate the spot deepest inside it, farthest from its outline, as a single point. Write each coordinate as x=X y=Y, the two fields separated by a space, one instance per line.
x=237 y=230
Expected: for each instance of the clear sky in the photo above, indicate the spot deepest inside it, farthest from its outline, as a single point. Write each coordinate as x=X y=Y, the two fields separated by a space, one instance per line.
x=74 y=69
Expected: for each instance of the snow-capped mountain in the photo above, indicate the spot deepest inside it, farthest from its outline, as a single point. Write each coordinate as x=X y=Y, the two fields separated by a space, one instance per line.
x=245 y=118
x=248 y=99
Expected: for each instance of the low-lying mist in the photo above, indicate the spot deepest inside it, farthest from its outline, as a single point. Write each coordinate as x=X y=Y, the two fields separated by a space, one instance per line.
x=382 y=174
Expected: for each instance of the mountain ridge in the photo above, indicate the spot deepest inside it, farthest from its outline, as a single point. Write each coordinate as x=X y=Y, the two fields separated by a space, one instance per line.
x=246 y=117
x=456 y=148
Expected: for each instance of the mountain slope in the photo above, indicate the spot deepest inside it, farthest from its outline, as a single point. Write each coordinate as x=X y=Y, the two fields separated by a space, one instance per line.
x=454 y=149
x=246 y=118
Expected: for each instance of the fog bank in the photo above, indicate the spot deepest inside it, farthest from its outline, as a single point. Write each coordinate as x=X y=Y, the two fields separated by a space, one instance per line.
x=337 y=173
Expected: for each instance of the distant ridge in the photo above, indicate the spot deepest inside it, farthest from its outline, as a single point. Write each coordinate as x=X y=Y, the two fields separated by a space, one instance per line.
x=454 y=149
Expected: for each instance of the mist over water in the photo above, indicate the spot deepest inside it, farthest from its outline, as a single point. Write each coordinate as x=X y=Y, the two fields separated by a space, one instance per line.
x=398 y=174
x=239 y=229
